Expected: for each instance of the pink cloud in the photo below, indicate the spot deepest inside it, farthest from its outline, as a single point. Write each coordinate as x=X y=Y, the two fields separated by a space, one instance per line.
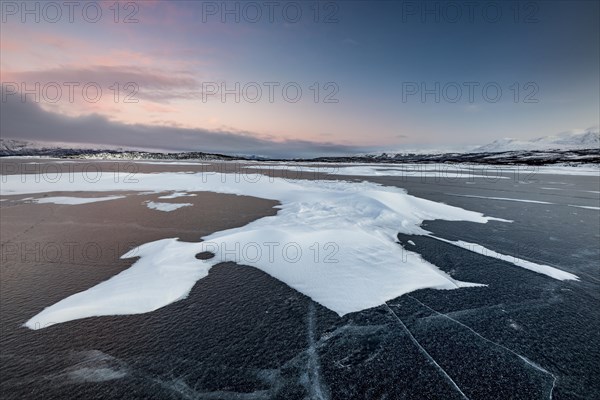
x=157 y=108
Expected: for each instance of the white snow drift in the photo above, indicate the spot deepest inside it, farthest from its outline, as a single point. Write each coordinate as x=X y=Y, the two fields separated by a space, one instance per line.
x=334 y=241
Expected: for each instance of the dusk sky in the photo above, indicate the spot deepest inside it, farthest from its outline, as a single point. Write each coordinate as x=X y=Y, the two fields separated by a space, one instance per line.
x=493 y=70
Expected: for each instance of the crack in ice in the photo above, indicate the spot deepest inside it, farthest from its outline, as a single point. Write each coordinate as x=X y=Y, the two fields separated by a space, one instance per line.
x=523 y=358
x=427 y=355
x=315 y=386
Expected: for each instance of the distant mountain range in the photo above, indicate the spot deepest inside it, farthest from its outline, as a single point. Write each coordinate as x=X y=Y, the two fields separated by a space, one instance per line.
x=22 y=148
x=572 y=147
x=589 y=139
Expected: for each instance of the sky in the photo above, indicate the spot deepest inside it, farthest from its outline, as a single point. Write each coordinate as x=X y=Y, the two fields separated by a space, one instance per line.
x=298 y=78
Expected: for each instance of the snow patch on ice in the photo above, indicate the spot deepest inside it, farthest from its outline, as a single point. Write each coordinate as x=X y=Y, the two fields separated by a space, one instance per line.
x=166 y=162
x=74 y=200
x=175 y=195
x=166 y=207
x=149 y=284
x=501 y=198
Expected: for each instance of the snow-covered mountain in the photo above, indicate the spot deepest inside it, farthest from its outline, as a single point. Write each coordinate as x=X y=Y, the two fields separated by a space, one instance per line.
x=23 y=148
x=13 y=145
x=16 y=146
x=588 y=139
x=572 y=148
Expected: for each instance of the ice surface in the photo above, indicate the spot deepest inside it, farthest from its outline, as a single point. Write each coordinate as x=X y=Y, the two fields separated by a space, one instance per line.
x=166 y=206
x=334 y=241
